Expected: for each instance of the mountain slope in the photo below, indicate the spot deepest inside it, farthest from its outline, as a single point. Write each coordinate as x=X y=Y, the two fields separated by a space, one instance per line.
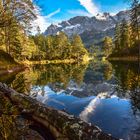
x=91 y=29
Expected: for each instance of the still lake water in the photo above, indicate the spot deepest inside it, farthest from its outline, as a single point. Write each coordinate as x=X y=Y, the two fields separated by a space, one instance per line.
x=101 y=93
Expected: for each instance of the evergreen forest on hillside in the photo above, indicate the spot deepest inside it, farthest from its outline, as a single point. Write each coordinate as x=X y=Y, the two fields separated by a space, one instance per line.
x=16 y=39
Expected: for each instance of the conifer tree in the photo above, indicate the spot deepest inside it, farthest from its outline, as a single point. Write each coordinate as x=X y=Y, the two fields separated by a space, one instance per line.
x=125 y=40
x=117 y=38
x=135 y=23
x=107 y=46
x=78 y=46
x=23 y=11
x=135 y=14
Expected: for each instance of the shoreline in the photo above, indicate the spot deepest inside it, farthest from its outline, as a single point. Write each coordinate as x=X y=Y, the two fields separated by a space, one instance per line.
x=26 y=64
x=128 y=58
x=65 y=61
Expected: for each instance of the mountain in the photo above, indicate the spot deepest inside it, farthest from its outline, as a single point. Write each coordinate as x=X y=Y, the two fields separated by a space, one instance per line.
x=91 y=29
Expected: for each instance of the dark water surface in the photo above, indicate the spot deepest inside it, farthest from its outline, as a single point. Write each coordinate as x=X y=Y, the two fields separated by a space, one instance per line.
x=101 y=93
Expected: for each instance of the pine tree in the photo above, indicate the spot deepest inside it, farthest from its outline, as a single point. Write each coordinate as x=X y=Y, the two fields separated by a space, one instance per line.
x=135 y=23
x=125 y=40
x=15 y=19
x=77 y=41
x=135 y=14
x=23 y=11
x=49 y=47
x=78 y=47
x=107 y=46
x=117 y=38
x=12 y=39
x=61 y=45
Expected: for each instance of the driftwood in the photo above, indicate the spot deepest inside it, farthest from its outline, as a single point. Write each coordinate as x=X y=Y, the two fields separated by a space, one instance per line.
x=62 y=125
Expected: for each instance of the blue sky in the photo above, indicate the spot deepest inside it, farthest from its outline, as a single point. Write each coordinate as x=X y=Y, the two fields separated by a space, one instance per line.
x=54 y=11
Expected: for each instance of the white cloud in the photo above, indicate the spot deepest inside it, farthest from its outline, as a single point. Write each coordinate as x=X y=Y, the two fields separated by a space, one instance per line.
x=43 y=21
x=53 y=13
x=79 y=12
x=90 y=6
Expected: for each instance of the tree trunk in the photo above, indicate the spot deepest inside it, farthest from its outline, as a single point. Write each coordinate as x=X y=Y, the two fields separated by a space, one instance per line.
x=62 y=125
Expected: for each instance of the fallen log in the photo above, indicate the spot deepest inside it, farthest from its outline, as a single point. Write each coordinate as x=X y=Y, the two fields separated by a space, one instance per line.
x=13 y=70
x=62 y=125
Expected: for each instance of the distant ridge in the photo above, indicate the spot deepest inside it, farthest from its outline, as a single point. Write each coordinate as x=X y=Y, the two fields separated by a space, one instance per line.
x=91 y=29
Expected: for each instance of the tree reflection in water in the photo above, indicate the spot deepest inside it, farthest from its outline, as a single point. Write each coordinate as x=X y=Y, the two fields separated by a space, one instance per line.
x=57 y=76
x=87 y=91
x=123 y=76
x=128 y=80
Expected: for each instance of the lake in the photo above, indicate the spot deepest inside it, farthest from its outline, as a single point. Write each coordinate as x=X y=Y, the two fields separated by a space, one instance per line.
x=105 y=94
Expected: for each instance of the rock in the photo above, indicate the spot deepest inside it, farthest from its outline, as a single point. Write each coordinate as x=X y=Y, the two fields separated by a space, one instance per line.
x=89 y=28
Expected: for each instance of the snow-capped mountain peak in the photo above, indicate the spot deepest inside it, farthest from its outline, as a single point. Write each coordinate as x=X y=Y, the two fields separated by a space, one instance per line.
x=103 y=16
x=89 y=28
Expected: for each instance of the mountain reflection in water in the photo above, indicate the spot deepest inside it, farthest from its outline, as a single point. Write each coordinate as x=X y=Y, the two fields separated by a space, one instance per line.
x=100 y=93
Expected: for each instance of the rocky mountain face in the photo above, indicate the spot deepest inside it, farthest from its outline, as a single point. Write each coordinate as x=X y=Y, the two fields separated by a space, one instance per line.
x=91 y=29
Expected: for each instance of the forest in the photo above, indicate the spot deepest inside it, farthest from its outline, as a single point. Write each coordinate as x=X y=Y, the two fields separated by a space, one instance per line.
x=58 y=47
x=54 y=83
x=126 y=41
x=17 y=41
